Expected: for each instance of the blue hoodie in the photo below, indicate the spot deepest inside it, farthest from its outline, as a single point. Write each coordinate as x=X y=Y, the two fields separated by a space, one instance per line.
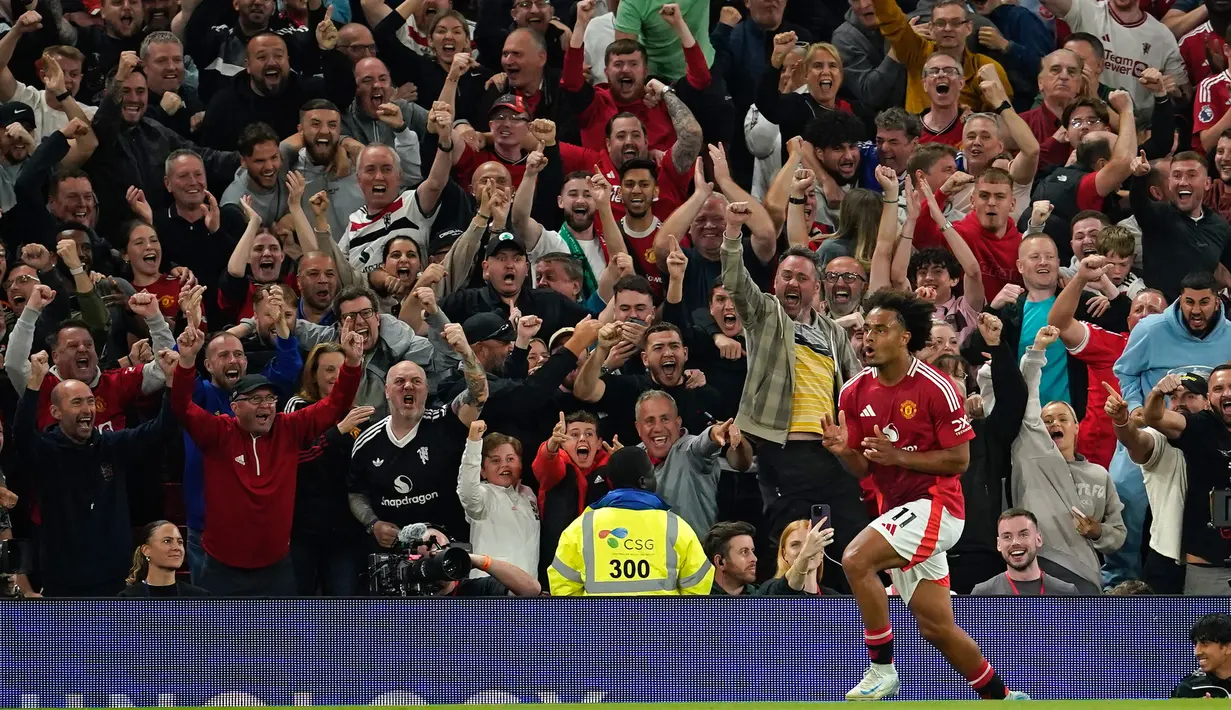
x=1162 y=342
x=282 y=370
x=630 y=499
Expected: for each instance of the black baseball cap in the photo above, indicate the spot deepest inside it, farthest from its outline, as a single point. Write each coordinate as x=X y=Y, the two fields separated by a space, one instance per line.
x=1195 y=383
x=488 y=326
x=17 y=112
x=251 y=383
x=504 y=240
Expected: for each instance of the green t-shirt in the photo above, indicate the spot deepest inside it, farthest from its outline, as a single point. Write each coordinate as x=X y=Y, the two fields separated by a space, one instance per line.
x=641 y=18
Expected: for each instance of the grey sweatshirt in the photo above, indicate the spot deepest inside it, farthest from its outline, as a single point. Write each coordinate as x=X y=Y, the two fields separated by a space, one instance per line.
x=1048 y=486
x=405 y=143
x=688 y=479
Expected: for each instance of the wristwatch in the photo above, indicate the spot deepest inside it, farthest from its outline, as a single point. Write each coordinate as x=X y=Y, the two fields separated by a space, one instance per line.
x=367 y=529
x=946 y=226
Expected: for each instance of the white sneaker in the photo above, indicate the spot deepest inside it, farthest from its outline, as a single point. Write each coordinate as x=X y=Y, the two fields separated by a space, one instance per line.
x=879 y=681
x=1016 y=695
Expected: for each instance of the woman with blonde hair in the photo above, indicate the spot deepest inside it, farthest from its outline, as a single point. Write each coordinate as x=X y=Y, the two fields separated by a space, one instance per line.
x=801 y=552
x=821 y=69
x=327 y=542
x=858 y=222
x=155 y=563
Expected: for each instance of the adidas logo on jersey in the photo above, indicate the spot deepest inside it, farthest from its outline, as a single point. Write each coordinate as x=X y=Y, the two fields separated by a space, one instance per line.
x=240 y=460
x=868 y=412
x=891 y=527
x=378 y=462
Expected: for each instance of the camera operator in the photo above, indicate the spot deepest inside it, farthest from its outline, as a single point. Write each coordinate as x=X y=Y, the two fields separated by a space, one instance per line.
x=157 y=559
x=1203 y=437
x=503 y=580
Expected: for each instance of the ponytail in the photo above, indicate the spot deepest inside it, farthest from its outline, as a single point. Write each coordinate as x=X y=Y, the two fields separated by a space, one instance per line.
x=140 y=568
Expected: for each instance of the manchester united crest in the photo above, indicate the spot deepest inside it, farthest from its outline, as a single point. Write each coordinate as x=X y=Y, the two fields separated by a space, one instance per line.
x=908 y=409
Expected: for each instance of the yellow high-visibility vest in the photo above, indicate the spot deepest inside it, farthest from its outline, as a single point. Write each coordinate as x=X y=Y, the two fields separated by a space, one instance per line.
x=619 y=551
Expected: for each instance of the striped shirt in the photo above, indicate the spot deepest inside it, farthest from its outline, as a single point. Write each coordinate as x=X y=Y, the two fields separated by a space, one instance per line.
x=814 y=374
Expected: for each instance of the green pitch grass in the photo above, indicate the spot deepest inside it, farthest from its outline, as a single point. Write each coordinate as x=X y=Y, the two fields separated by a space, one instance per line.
x=1195 y=704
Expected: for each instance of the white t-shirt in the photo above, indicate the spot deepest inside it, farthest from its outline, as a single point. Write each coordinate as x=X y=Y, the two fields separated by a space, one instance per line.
x=1130 y=49
x=47 y=120
x=599 y=34
x=1166 y=482
x=553 y=242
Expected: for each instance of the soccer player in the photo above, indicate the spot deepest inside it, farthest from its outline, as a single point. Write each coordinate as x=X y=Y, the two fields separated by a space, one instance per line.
x=903 y=423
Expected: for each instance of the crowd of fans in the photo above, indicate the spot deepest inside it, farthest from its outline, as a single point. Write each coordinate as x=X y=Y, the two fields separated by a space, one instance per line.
x=580 y=283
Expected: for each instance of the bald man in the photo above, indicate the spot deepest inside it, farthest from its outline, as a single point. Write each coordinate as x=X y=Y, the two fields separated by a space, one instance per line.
x=404 y=468
x=377 y=117
x=80 y=475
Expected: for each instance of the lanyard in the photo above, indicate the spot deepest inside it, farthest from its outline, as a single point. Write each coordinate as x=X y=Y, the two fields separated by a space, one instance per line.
x=1014 y=586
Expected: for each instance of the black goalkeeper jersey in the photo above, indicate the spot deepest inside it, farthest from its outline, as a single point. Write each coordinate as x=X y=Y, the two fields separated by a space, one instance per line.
x=413 y=481
x=1198 y=684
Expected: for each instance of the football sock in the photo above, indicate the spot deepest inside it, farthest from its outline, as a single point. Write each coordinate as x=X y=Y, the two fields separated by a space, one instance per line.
x=880 y=644
x=987 y=682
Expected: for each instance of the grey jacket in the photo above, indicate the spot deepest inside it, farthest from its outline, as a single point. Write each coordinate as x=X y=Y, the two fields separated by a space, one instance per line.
x=344 y=194
x=688 y=479
x=269 y=204
x=405 y=143
x=1048 y=486
x=397 y=343
x=998 y=586
x=868 y=72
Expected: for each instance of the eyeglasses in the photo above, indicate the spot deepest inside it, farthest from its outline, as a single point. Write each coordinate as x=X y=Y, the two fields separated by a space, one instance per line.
x=258 y=401
x=508 y=118
x=948 y=24
x=951 y=72
x=364 y=314
x=847 y=277
x=527 y=4
x=359 y=47
x=1079 y=122
x=23 y=279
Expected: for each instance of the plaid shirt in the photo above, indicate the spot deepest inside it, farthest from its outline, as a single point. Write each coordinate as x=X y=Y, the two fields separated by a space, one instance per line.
x=765 y=406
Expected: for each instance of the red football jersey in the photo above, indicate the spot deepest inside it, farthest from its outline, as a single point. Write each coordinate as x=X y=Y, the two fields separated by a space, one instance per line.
x=949 y=135
x=1095 y=438
x=1213 y=97
x=114 y=392
x=923 y=412
x=167 y=289
x=1196 y=48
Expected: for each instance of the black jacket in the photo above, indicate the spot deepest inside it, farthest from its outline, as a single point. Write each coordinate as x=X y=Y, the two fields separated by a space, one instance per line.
x=990 y=453
x=86 y=535
x=407 y=65
x=135 y=155
x=699 y=329
x=141 y=590
x=236 y=106
x=217 y=46
x=102 y=53
x=181 y=120
x=556 y=310
x=321 y=507
x=515 y=404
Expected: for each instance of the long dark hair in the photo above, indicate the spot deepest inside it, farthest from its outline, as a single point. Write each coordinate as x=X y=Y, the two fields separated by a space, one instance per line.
x=141 y=563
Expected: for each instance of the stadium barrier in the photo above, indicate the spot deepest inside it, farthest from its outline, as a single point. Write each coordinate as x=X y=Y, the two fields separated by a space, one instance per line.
x=398 y=652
